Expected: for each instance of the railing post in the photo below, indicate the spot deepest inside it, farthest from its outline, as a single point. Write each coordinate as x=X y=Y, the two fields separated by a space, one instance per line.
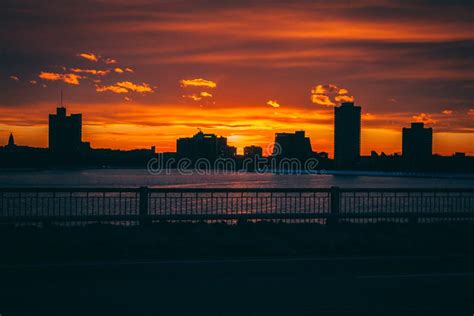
x=143 y=205
x=335 y=205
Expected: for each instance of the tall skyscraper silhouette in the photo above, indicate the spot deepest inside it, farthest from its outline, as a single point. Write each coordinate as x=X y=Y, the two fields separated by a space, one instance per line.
x=65 y=131
x=346 y=135
x=417 y=143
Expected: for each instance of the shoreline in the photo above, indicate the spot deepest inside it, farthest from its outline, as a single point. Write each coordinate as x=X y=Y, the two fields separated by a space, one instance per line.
x=353 y=173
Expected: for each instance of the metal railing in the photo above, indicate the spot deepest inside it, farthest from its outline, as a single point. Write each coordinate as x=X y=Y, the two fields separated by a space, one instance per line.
x=131 y=206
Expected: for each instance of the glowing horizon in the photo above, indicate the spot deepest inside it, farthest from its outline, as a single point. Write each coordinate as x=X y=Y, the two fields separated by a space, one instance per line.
x=131 y=130
x=145 y=73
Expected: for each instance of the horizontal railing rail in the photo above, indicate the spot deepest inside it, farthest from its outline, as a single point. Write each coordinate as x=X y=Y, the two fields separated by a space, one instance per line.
x=129 y=206
x=180 y=189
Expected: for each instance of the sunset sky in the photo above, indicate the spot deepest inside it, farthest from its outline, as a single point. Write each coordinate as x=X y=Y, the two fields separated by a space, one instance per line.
x=144 y=73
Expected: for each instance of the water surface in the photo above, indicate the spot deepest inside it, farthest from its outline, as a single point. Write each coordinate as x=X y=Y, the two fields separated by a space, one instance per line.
x=141 y=177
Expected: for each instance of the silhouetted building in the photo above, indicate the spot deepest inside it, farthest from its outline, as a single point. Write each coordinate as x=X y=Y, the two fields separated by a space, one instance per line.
x=12 y=155
x=11 y=141
x=417 y=143
x=202 y=145
x=253 y=151
x=322 y=155
x=117 y=158
x=380 y=162
x=229 y=151
x=292 y=145
x=346 y=135
x=65 y=132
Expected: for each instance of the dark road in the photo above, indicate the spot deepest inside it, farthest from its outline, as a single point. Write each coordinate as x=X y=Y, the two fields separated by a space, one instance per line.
x=300 y=286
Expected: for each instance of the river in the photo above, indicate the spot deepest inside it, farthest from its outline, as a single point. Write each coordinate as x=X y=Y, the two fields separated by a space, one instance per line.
x=141 y=177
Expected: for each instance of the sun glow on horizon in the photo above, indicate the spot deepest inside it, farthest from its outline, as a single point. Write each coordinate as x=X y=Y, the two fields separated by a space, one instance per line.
x=147 y=76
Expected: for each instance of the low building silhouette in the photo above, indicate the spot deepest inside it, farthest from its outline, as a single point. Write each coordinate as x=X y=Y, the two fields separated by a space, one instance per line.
x=380 y=162
x=104 y=157
x=253 y=151
x=14 y=156
x=292 y=145
x=207 y=146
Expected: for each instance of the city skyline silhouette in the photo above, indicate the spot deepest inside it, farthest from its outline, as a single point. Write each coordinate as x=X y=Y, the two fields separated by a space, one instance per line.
x=241 y=148
x=294 y=151
x=250 y=157
x=149 y=74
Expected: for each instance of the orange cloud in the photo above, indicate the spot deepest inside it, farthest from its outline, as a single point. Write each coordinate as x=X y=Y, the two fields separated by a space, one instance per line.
x=199 y=82
x=319 y=89
x=198 y=97
x=71 y=79
x=322 y=99
x=329 y=88
x=129 y=70
x=112 y=88
x=470 y=112
x=125 y=87
x=253 y=23
x=329 y=94
x=15 y=78
x=89 y=56
x=273 y=103
x=142 y=88
x=205 y=94
x=447 y=112
x=110 y=61
x=91 y=71
x=193 y=97
x=118 y=70
x=50 y=76
x=425 y=118
x=344 y=98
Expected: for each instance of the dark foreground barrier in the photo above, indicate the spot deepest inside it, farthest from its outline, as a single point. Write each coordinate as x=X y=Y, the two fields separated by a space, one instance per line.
x=131 y=206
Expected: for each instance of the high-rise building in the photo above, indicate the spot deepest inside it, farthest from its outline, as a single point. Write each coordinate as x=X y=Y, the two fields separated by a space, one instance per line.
x=346 y=135
x=292 y=145
x=202 y=145
x=417 y=143
x=65 y=131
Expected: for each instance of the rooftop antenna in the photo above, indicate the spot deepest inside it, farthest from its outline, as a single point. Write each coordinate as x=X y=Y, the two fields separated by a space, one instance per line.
x=62 y=98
